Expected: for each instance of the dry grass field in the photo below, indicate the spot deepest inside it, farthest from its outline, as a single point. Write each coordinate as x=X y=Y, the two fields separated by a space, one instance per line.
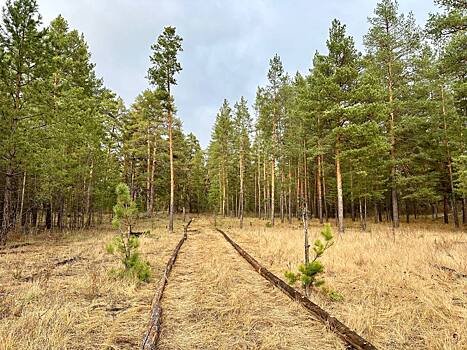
x=76 y=305
x=398 y=294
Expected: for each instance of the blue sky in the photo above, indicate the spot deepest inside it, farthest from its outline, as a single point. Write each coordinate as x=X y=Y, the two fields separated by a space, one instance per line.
x=227 y=44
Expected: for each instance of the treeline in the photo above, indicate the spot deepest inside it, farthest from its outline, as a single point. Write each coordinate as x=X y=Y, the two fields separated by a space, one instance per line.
x=379 y=133
x=66 y=141
x=57 y=162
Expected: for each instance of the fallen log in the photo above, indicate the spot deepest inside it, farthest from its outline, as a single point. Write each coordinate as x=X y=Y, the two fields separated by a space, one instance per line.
x=451 y=271
x=336 y=326
x=154 y=327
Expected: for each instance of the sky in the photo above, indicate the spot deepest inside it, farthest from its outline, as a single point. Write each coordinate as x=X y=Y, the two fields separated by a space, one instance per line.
x=226 y=44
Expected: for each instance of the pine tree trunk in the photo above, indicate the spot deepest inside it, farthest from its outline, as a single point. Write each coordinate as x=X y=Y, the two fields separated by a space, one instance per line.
x=6 y=223
x=325 y=204
x=273 y=189
x=290 y=195
x=305 y=234
x=172 y=175
x=153 y=171
x=362 y=216
x=392 y=137
x=464 y=211
x=148 y=176
x=318 y=189
x=449 y=164
x=298 y=186
x=266 y=189
x=445 y=209
x=340 y=202
x=259 y=185
x=282 y=194
x=88 y=194
x=240 y=204
x=352 y=204
x=21 y=207
x=407 y=212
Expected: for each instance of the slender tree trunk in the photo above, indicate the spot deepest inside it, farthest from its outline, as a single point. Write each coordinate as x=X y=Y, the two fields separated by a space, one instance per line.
x=6 y=223
x=88 y=194
x=259 y=185
x=290 y=194
x=48 y=216
x=305 y=234
x=282 y=193
x=392 y=137
x=445 y=209
x=352 y=204
x=318 y=189
x=325 y=204
x=464 y=211
x=241 y=186
x=266 y=189
x=148 y=175
x=362 y=216
x=273 y=189
x=449 y=163
x=340 y=202
x=153 y=173
x=298 y=186
x=21 y=206
x=407 y=211
x=172 y=175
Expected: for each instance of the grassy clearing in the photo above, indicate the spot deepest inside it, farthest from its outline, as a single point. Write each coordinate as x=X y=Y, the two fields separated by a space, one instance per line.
x=395 y=293
x=77 y=305
x=215 y=300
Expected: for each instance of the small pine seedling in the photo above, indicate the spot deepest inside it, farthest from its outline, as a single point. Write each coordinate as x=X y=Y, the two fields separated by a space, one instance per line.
x=309 y=273
x=125 y=246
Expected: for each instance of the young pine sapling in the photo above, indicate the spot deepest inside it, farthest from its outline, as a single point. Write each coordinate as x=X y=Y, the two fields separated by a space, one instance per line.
x=309 y=272
x=125 y=245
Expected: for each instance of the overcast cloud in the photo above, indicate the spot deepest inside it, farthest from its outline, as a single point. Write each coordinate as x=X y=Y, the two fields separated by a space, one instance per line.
x=227 y=44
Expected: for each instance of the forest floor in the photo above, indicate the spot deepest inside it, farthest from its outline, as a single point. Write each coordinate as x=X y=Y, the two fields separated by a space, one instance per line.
x=407 y=293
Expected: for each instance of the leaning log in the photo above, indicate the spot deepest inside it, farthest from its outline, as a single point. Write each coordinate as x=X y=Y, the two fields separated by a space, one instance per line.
x=336 y=326
x=154 y=326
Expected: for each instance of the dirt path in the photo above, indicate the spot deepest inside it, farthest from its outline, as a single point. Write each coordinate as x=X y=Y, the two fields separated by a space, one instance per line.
x=215 y=300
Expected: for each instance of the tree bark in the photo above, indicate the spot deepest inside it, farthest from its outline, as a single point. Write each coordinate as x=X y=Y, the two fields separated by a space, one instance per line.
x=362 y=215
x=392 y=138
x=241 y=200
x=352 y=204
x=290 y=195
x=340 y=202
x=445 y=209
x=318 y=189
x=172 y=175
x=449 y=163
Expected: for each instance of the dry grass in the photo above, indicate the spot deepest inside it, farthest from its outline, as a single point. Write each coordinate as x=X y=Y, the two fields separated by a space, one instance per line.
x=395 y=293
x=215 y=300
x=77 y=305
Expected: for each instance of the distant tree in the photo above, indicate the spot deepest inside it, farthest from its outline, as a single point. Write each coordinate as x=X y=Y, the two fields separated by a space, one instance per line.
x=243 y=124
x=392 y=41
x=162 y=74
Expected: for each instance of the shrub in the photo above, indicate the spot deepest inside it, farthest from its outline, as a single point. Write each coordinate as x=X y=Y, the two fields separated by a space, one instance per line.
x=125 y=246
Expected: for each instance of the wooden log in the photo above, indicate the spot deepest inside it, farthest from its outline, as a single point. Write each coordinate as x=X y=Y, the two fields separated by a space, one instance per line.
x=451 y=271
x=336 y=326
x=154 y=326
